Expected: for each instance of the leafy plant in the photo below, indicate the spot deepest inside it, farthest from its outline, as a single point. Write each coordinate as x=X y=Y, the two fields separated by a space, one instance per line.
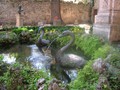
x=103 y=52
x=7 y=39
x=20 y=29
x=114 y=71
x=63 y=28
x=87 y=78
x=115 y=60
x=88 y=44
x=20 y=77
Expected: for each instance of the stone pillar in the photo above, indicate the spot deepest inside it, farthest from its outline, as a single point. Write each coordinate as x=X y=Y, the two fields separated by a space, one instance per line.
x=19 y=20
x=107 y=21
x=115 y=21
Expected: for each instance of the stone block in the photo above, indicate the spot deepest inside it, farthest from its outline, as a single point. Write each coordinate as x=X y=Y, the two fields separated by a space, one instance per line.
x=102 y=30
x=115 y=33
x=115 y=20
x=116 y=5
x=102 y=19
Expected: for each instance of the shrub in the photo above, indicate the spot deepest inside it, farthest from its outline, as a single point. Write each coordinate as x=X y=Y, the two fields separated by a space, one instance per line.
x=88 y=44
x=7 y=39
x=19 y=30
x=115 y=59
x=87 y=78
x=63 y=28
x=114 y=71
x=103 y=52
x=52 y=33
x=20 y=77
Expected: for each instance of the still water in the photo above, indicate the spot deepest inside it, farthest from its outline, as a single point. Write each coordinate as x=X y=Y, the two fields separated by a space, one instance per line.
x=26 y=54
x=30 y=55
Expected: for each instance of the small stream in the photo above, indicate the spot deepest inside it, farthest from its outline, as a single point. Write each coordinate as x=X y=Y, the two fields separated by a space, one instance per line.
x=30 y=55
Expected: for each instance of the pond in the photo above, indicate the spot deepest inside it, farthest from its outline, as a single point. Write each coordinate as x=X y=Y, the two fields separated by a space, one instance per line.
x=30 y=55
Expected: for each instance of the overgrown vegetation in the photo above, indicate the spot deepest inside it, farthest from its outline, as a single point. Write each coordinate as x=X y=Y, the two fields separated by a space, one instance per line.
x=20 y=77
x=7 y=39
x=103 y=51
x=87 y=78
x=25 y=77
x=88 y=44
x=95 y=48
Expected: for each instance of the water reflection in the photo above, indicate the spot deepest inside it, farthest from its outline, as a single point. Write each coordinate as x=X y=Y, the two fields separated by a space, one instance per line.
x=26 y=54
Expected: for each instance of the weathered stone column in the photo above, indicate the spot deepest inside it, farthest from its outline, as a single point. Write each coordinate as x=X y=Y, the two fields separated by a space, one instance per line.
x=19 y=20
x=19 y=17
x=107 y=21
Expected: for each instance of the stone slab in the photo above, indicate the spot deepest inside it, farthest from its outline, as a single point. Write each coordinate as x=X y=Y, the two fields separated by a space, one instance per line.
x=102 y=19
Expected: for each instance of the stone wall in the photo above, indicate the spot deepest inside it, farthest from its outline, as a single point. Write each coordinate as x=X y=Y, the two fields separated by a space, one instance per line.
x=107 y=20
x=75 y=12
x=35 y=12
x=96 y=4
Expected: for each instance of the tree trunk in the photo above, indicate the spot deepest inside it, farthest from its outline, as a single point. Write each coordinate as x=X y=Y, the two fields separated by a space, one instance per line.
x=55 y=13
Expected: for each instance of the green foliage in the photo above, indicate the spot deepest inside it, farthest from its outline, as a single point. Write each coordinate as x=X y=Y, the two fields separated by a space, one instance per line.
x=26 y=34
x=86 y=79
x=103 y=52
x=20 y=29
x=88 y=44
x=115 y=59
x=95 y=48
x=27 y=37
x=3 y=66
x=114 y=81
x=52 y=32
x=20 y=77
x=114 y=75
x=63 y=28
x=1 y=57
x=64 y=40
x=7 y=39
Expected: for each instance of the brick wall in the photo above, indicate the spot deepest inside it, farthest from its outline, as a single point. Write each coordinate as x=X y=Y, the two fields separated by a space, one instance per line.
x=35 y=12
